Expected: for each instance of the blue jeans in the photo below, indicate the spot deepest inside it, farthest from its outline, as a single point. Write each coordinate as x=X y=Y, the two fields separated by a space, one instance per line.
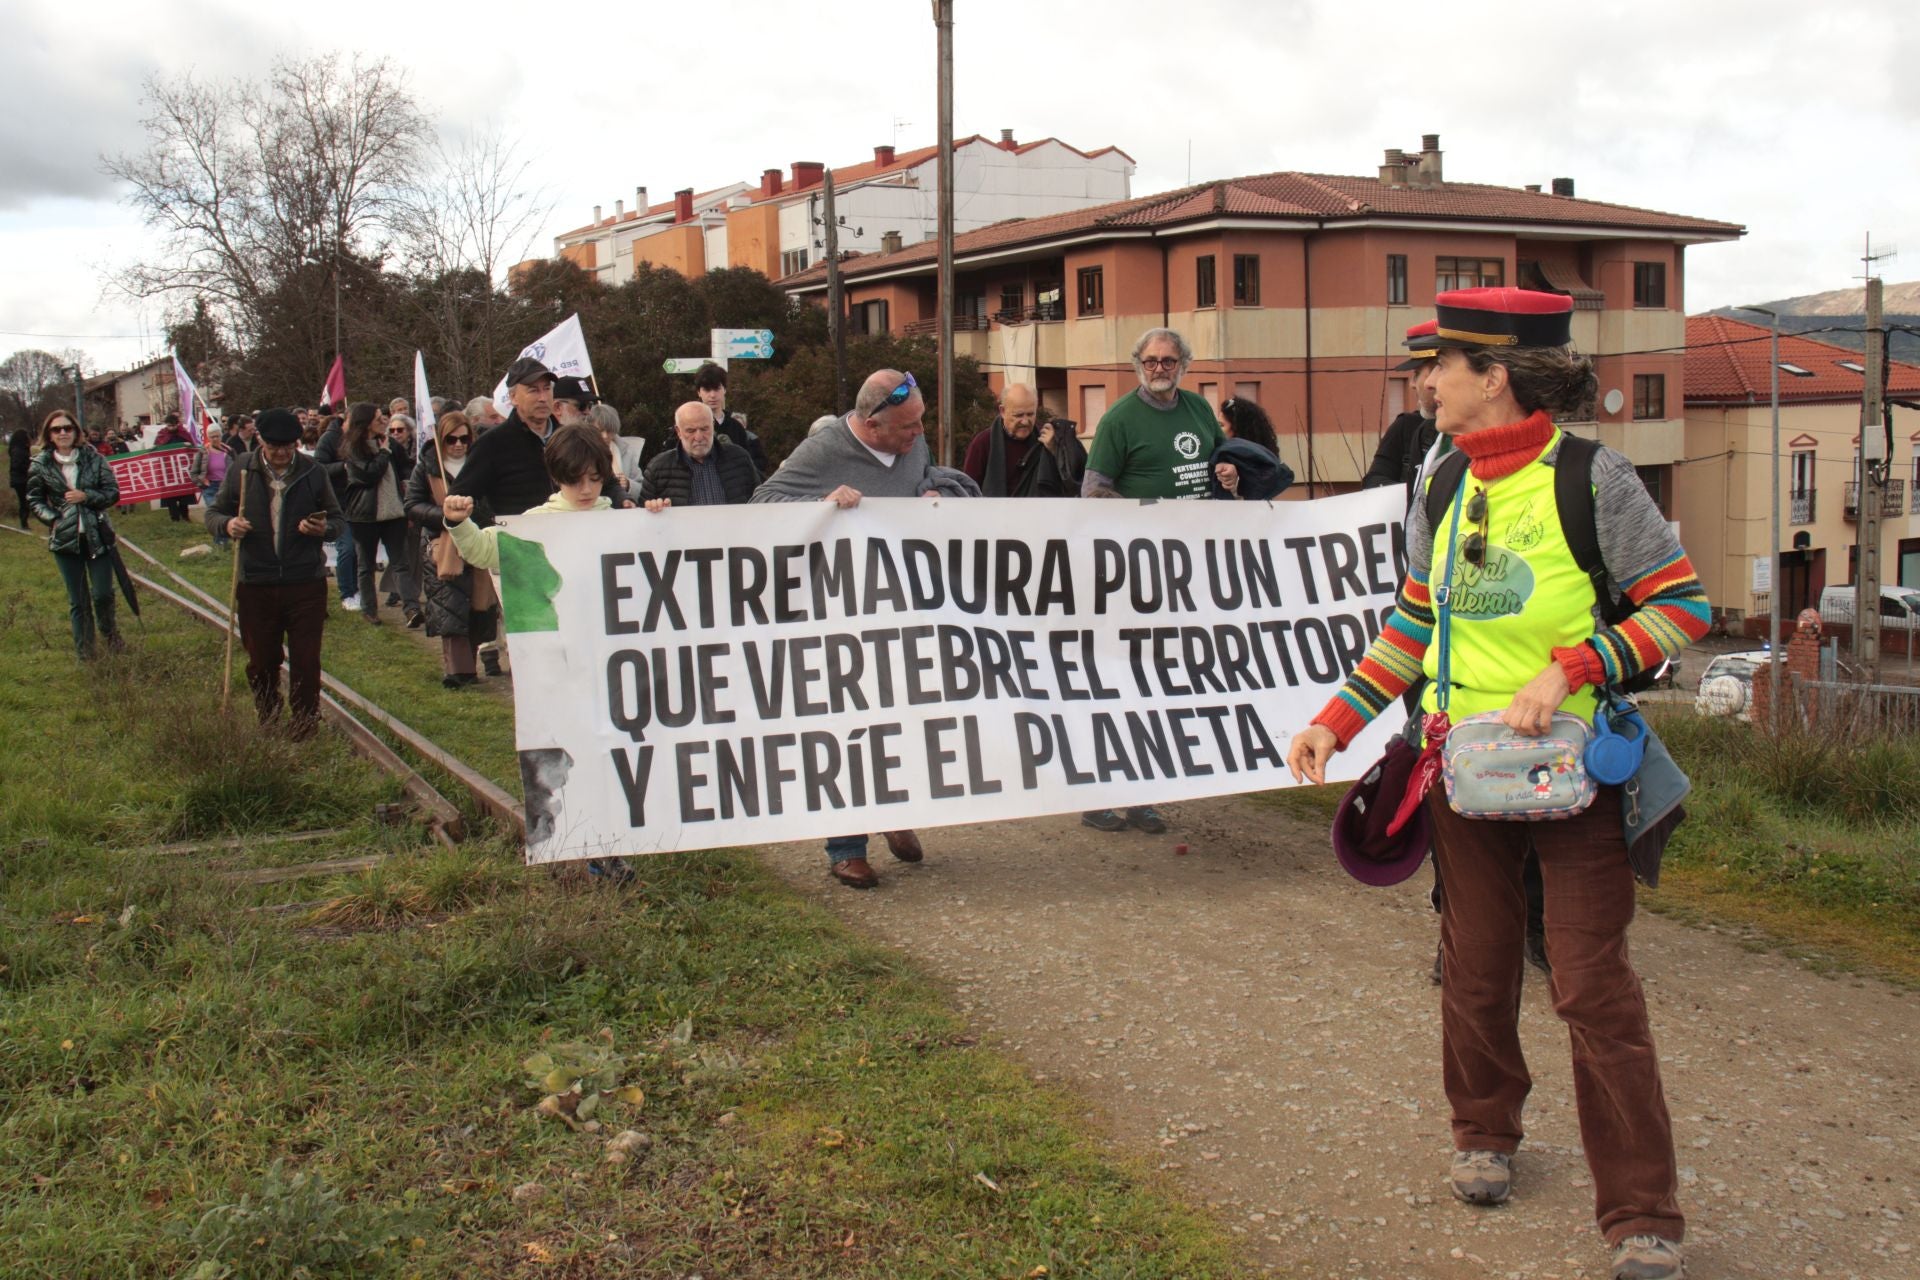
x=845 y=849
x=206 y=499
x=345 y=565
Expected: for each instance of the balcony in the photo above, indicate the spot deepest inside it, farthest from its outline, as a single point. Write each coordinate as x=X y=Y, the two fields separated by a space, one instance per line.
x=1045 y=312
x=961 y=324
x=1892 y=503
x=1802 y=506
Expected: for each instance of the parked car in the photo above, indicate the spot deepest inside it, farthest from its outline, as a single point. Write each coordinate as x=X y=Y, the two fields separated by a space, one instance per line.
x=1899 y=607
x=1726 y=686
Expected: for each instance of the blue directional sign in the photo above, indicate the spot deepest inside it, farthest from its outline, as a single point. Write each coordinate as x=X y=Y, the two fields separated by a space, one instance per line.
x=743 y=344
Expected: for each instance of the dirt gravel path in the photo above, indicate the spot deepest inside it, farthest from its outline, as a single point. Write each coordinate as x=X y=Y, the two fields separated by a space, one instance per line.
x=1250 y=1019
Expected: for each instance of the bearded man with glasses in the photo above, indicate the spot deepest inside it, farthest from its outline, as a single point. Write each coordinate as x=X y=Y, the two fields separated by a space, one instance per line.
x=1154 y=443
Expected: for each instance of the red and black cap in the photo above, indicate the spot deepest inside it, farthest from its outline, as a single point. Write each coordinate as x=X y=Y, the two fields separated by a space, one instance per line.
x=1421 y=346
x=1503 y=317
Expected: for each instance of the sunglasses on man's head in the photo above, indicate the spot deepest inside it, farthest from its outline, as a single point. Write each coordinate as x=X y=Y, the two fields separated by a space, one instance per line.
x=898 y=396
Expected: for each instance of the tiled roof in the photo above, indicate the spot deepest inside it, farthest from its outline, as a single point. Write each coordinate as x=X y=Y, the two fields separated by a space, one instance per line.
x=842 y=176
x=1320 y=197
x=652 y=210
x=1727 y=361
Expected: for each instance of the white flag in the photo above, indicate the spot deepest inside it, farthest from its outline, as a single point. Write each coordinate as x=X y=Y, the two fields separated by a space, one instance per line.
x=422 y=405
x=563 y=349
x=189 y=398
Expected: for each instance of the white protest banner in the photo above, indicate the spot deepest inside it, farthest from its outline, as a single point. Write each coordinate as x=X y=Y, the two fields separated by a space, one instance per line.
x=422 y=404
x=711 y=676
x=190 y=406
x=563 y=349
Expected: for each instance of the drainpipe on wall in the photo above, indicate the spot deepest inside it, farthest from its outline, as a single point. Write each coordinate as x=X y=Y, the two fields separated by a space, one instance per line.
x=1166 y=313
x=1306 y=278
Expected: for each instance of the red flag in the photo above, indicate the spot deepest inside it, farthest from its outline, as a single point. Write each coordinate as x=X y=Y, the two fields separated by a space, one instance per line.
x=334 y=394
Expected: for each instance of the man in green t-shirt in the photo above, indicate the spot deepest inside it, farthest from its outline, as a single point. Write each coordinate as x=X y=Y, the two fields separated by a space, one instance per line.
x=1156 y=442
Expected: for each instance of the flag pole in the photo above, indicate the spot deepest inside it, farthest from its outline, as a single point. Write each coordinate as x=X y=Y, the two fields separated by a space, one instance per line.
x=233 y=599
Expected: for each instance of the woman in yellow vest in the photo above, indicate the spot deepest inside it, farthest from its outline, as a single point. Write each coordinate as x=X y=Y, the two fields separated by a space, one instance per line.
x=1526 y=640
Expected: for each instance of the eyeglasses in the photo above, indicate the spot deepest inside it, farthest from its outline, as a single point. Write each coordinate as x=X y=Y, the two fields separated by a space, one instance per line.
x=462 y=439
x=898 y=396
x=1160 y=362
x=1475 y=547
x=62 y=426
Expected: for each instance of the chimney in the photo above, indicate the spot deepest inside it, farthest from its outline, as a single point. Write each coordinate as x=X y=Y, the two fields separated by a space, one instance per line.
x=1534 y=187
x=1430 y=159
x=890 y=242
x=807 y=173
x=1006 y=140
x=883 y=156
x=1563 y=187
x=683 y=205
x=1393 y=170
x=640 y=201
x=596 y=215
x=769 y=182
x=619 y=207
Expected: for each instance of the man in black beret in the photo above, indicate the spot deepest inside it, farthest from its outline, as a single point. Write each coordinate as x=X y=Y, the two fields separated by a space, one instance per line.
x=290 y=513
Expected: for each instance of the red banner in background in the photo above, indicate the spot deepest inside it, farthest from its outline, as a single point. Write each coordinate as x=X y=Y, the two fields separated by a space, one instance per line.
x=156 y=473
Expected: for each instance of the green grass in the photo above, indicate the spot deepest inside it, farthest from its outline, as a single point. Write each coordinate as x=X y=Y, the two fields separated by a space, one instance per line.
x=1811 y=841
x=192 y=1087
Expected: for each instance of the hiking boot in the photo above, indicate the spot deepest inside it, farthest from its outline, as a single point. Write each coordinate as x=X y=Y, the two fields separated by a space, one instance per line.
x=490 y=662
x=1146 y=818
x=1647 y=1258
x=1482 y=1177
x=1103 y=820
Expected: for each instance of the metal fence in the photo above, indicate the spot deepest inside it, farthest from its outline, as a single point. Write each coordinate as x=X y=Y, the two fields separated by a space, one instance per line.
x=1855 y=711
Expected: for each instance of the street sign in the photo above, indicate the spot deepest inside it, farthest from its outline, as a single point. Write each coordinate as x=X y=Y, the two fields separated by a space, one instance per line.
x=743 y=344
x=690 y=364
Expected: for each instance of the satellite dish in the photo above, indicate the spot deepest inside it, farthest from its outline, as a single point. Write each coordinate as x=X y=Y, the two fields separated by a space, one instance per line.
x=1613 y=401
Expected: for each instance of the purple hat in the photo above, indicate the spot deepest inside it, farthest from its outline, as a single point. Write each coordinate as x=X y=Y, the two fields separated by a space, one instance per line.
x=1360 y=839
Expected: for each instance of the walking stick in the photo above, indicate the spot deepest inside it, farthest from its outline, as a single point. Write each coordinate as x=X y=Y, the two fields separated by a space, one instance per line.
x=233 y=604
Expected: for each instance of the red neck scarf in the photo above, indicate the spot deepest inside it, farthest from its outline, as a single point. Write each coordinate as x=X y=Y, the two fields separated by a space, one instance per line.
x=1501 y=451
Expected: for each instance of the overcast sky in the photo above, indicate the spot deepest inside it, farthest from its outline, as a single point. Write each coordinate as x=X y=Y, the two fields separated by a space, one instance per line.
x=1796 y=120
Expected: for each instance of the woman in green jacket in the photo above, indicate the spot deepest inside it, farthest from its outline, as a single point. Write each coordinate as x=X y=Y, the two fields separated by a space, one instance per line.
x=71 y=488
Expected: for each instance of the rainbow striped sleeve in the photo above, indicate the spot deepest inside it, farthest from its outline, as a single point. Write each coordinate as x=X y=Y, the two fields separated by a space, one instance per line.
x=1673 y=614
x=1390 y=666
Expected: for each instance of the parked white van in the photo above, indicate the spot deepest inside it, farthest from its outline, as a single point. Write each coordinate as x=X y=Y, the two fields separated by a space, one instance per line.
x=1899 y=607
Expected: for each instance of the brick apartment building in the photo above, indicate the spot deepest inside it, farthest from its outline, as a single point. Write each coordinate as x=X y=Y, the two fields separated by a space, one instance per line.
x=1295 y=290
x=1723 y=496
x=775 y=226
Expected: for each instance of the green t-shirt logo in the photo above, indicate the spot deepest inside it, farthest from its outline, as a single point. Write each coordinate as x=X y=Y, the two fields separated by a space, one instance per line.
x=1188 y=444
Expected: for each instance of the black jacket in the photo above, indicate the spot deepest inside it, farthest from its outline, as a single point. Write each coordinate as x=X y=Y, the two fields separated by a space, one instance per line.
x=669 y=475
x=301 y=558
x=365 y=477
x=1402 y=449
x=326 y=452
x=19 y=459
x=506 y=471
x=736 y=431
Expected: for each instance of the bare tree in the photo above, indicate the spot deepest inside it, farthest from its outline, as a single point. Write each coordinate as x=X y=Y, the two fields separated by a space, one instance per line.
x=249 y=182
x=470 y=217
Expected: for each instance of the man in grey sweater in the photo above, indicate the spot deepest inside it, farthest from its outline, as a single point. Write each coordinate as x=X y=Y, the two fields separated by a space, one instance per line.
x=879 y=450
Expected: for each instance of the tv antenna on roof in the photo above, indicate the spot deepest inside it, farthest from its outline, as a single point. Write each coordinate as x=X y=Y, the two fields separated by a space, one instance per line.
x=899 y=124
x=1869 y=257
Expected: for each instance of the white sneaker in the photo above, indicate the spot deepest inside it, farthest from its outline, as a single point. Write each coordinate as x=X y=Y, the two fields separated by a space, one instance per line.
x=351 y=603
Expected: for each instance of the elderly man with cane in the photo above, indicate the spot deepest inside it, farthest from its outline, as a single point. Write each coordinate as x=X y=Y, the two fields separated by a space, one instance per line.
x=278 y=506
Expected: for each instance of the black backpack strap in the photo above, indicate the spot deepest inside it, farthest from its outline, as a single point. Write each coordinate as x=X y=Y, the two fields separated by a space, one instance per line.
x=1573 y=498
x=1446 y=478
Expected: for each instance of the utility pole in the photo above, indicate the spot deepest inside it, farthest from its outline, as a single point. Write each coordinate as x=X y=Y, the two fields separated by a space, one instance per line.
x=943 y=22
x=79 y=400
x=836 y=297
x=1873 y=490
